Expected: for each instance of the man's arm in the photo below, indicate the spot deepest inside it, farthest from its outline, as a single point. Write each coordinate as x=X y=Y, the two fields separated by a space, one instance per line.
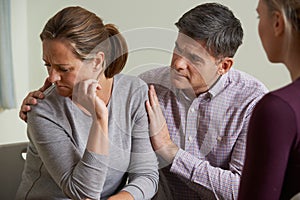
x=202 y=177
x=31 y=99
x=198 y=174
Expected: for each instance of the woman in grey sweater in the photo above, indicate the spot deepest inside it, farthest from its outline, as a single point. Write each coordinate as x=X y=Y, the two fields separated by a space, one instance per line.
x=89 y=135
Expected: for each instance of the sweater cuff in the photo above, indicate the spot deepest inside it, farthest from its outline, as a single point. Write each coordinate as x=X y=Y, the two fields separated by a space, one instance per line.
x=134 y=191
x=94 y=159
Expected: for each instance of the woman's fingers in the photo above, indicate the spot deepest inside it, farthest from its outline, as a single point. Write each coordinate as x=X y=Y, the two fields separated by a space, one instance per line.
x=85 y=94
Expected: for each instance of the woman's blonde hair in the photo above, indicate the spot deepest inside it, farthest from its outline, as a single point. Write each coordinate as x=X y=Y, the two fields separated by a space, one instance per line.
x=291 y=9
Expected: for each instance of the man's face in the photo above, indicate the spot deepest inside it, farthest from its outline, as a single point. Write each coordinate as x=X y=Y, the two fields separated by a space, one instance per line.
x=192 y=66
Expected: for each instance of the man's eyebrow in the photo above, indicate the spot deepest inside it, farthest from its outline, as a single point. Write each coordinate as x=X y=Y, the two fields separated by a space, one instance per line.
x=197 y=57
x=191 y=55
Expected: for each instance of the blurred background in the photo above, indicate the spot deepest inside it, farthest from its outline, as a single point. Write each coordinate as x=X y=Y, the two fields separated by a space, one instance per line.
x=149 y=29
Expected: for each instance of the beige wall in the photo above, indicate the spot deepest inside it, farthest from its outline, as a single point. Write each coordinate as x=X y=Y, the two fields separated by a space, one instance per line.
x=11 y=128
x=131 y=16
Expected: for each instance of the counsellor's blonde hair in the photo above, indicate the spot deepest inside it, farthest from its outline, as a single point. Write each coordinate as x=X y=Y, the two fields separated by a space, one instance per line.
x=290 y=8
x=88 y=35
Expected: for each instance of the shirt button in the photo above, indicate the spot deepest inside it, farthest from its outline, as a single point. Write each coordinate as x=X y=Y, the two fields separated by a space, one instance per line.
x=190 y=138
x=192 y=109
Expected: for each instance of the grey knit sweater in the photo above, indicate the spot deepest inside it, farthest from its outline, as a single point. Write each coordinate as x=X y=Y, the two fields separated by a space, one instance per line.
x=58 y=165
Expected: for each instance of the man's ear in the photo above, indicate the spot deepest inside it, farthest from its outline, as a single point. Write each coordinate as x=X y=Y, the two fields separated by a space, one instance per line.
x=278 y=23
x=225 y=65
x=99 y=61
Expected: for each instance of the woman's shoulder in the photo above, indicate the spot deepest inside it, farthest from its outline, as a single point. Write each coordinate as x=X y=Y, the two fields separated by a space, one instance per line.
x=157 y=76
x=290 y=94
x=129 y=89
x=50 y=103
x=132 y=83
x=282 y=101
x=52 y=97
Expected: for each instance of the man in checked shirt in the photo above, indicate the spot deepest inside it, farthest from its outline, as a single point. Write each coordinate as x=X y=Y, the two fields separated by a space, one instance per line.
x=199 y=130
x=200 y=108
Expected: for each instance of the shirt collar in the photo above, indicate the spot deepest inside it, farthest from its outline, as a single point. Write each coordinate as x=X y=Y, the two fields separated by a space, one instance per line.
x=211 y=93
x=218 y=86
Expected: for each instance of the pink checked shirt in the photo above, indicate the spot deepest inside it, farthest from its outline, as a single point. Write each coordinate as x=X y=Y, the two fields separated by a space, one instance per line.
x=210 y=131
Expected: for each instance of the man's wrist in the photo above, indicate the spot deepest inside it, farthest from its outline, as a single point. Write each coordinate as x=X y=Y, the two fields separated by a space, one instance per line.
x=168 y=152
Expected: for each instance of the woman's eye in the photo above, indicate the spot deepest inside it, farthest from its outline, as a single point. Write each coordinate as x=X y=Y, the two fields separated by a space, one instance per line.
x=58 y=68
x=64 y=70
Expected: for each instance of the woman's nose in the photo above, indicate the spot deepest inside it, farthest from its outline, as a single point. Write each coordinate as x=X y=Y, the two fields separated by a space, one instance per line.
x=53 y=75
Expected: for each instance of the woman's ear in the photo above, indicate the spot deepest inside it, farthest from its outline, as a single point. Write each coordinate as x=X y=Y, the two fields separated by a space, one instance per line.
x=99 y=61
x=225 y=65
x=278 y=23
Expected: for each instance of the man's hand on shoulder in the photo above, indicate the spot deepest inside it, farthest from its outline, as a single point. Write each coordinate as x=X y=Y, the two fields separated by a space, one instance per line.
x=31 y=99
x=159 y=133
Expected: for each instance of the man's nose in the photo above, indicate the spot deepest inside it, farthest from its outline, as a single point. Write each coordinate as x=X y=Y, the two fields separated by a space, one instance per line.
x=179 y=62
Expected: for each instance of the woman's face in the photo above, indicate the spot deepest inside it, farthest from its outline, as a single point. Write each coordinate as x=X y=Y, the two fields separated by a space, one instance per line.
x=64 y=69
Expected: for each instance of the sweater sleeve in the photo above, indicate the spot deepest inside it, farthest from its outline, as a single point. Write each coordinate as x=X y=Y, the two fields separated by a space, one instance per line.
x=143 y=172
x=271 y=132
x=77 y=176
